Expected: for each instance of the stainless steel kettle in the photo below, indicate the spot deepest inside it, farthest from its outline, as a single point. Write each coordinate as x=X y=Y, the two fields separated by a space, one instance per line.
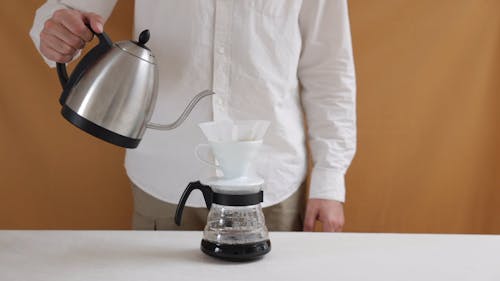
x=112 y=91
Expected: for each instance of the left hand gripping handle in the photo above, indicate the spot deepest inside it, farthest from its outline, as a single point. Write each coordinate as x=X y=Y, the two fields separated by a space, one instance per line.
x=104 y=45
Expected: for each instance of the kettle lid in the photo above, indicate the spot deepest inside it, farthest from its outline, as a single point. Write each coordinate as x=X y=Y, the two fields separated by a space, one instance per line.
x=138 y=49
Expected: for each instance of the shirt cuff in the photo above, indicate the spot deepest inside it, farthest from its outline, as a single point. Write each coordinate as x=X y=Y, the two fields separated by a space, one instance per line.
x=327 y=184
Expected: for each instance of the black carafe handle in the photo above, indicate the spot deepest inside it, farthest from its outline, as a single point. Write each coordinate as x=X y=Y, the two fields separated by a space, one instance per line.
x=104 y=45
x=207 y=195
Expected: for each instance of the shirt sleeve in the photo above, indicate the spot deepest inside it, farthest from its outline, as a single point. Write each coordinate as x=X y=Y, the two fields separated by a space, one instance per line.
x=100 y=7
x=328 y=93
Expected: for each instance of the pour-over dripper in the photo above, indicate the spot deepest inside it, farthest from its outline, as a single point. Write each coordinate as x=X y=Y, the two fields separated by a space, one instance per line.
x=234 y=144
x=234 y=158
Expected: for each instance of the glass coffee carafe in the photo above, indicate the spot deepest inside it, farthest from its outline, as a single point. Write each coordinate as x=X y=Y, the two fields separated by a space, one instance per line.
x=235 y=228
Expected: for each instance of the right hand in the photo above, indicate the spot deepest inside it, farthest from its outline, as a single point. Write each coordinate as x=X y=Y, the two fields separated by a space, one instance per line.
x=65 y=33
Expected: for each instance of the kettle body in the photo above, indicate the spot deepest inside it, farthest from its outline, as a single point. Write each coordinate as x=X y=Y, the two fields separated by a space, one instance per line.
x=112 y=91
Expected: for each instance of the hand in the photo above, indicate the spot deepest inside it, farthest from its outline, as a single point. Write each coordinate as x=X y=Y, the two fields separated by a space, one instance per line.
x=65 y=33
x=329 y=212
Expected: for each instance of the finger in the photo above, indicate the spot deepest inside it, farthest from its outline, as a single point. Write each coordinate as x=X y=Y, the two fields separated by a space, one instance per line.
x=74 y=22
x=96 y=21
x=332 y=227
x=53 y=55
x=61 y=32
x=339 y=225
x=335 y=225
x=338 y=228
x=57 y=44
x=310 y=218
x=328 y=226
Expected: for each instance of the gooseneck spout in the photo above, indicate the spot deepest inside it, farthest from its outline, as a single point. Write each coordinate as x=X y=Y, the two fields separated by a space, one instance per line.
x=184 y=114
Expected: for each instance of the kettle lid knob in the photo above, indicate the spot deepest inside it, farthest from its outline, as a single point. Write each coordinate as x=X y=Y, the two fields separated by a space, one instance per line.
x=143 y=39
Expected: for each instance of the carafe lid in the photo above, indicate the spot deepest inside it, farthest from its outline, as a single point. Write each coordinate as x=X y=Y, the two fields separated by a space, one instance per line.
x=138 y=49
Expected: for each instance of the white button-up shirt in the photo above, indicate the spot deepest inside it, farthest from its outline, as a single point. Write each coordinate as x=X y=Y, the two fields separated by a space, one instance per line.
x=265 y=59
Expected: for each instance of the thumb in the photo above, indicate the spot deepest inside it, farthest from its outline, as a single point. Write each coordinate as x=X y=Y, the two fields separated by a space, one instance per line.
x=96 y=22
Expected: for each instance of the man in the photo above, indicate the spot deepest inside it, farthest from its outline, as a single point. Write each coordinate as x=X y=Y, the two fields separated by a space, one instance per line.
x=265 y=60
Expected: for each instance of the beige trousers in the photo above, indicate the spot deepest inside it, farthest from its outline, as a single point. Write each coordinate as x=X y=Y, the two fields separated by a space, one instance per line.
x=151 y=213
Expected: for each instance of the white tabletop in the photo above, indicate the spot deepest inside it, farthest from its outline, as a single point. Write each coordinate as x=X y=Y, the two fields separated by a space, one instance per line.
x=173 y=255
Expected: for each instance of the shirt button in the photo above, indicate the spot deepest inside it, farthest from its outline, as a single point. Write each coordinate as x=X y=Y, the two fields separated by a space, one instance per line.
x=220 y=102
x=221 y=50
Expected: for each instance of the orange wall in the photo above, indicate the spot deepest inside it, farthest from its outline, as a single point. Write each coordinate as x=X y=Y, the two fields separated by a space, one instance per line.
x=428 y=113
x=51 y=174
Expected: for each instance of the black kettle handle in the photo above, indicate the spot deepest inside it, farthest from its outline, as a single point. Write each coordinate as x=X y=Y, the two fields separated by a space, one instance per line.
x=104 y=45
x=207 y=195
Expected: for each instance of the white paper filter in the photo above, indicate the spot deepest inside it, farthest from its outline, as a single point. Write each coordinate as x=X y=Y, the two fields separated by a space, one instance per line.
x=239 y=130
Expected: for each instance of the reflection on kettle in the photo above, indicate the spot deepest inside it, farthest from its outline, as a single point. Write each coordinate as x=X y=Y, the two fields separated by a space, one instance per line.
x=112 y=91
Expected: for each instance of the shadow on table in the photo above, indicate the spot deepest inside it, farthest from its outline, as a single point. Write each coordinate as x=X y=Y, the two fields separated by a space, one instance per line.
x=149 y=254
